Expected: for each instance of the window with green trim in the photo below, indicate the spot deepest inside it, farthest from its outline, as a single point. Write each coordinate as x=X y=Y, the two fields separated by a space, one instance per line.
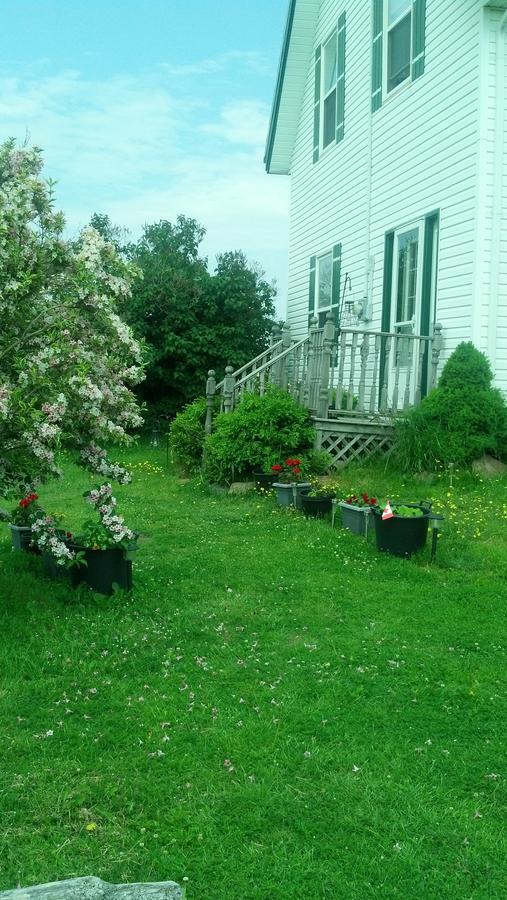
x=329 y=102
x=324 y=284
x=399 y=38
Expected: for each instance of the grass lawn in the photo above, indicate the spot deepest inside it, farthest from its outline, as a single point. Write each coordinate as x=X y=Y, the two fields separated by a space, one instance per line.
x=277 y=711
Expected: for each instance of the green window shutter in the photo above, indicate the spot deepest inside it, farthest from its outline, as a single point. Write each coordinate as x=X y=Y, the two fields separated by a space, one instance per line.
x=376 y=67
x=311 y=287
x=340 y=81
x=336 y=276
x=316 y=108
x=418 y=37
x=386 y=298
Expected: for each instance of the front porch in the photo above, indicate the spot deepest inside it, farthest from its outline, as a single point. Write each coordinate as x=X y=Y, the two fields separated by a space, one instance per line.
x=353 y=381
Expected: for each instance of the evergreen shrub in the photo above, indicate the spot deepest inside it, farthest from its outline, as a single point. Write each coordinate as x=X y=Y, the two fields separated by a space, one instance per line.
x=186 y=437
x=459 y=421
x=259 y=432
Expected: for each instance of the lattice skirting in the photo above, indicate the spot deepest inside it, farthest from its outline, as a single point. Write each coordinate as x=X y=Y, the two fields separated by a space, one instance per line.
x=347 y=440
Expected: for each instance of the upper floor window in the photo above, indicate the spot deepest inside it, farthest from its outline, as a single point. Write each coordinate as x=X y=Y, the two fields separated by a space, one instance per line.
x=399 y=40
x=329 y=96
x=398 y=49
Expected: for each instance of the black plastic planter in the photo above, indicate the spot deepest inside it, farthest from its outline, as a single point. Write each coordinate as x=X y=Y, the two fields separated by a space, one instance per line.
x=22 y=538
x=316 y=506
x=264 y=480
x=401 y=535
x=104 y=570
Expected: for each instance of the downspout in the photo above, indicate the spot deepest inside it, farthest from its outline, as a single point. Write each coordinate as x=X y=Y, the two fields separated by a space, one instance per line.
x=369 y=262
x=497 y=188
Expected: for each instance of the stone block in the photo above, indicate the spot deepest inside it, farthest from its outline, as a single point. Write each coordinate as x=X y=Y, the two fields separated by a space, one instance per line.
x=90 y=888
x=241 y=487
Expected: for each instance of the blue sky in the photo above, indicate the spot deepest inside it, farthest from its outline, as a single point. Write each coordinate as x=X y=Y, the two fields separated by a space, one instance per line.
x=147 y=109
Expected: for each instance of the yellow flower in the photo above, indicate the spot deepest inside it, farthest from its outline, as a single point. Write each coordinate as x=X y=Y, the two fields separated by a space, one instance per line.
x=92 y=826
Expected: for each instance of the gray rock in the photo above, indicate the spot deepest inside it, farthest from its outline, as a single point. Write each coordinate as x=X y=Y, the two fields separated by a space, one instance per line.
x=91 y=888
x=489 y=467
x=241 y=487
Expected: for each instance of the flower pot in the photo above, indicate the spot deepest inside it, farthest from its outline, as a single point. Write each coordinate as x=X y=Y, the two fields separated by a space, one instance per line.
x=22 y=538
x=354 y=517
x=52 y=569
x=290 y=494
x=400 y=535
x=103 y=570
x=316 y=506
x=264 y=480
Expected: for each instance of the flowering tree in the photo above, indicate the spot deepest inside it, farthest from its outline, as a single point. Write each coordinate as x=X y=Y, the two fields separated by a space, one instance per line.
x=67 y=360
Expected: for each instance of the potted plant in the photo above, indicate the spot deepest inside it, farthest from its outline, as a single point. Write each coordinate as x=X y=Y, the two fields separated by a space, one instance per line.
x=318 y=501
x=289 y=486
x=21 y=520
x=104 y=549
x=401 y=529
x=355 y=510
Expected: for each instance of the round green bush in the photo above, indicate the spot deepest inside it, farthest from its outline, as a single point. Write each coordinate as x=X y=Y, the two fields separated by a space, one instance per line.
x=186 y=436
x=262 y=430
x=458 y=422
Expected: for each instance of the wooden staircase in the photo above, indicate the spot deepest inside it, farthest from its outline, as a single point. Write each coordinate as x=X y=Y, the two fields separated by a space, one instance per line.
x=353 y=381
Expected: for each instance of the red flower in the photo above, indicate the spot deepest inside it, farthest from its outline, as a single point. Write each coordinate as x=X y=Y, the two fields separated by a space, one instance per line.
x=373 y=501
x=276 y=468
x=296 y=470
x=24 y=503
x=296 y=462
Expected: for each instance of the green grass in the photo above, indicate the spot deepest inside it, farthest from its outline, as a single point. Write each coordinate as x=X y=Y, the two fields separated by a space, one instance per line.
x=277 y=711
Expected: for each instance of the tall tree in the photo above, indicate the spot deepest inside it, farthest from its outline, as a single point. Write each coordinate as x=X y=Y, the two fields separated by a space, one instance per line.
x=192 y=320
x=67 y=360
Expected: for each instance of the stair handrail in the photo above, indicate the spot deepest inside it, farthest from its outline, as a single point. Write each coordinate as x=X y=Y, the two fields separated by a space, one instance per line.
x=270 y=362
x=251 y=362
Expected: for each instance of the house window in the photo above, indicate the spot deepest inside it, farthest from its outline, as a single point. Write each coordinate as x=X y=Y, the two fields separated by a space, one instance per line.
x=329 y=99
x=324 y=282
x=398 y=48
x=399 y=41
x=330 y=56
x=324 y=285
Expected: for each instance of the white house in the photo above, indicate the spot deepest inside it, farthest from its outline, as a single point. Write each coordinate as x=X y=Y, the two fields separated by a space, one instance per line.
x=390 y=116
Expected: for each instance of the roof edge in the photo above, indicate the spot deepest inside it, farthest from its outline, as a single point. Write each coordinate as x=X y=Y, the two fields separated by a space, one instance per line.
x=279 y=85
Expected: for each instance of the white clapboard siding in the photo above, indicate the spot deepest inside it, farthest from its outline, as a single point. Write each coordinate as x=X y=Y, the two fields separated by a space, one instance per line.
x=432 y=148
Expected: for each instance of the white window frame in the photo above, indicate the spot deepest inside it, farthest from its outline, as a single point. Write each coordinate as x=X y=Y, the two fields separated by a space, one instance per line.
x=419 y=226
x=386 y=92
x=325 y=94
x=317 y=307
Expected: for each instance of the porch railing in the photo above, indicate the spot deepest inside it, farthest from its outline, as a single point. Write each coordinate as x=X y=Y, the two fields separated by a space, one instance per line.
x=337 y=372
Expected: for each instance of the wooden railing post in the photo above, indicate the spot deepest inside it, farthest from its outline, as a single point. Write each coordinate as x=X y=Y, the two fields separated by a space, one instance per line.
x=364 y=352
x=210 y=400
x=310 y=362
x=229 y=385
x=374 y=385
x=325 y=367
x=284 y=363
x=436 y=347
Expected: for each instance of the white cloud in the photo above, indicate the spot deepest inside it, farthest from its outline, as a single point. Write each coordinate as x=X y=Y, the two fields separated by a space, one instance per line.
x=134 y=149
x=251 y=61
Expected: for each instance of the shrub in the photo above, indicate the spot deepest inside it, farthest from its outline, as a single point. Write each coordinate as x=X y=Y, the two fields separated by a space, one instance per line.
x=186 y=436
x=459 y=421
x=260 y=431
